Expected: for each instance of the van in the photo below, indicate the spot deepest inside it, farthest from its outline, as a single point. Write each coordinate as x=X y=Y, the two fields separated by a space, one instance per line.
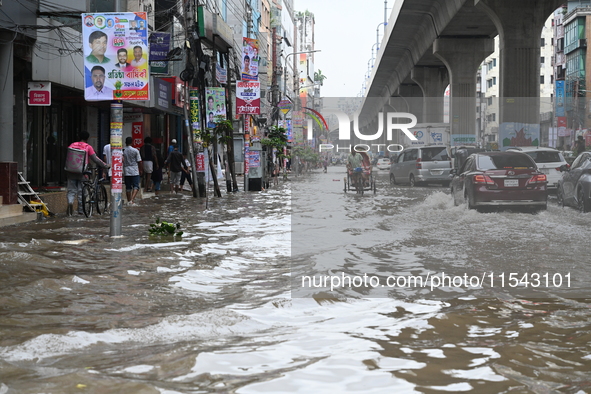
x=422 y=165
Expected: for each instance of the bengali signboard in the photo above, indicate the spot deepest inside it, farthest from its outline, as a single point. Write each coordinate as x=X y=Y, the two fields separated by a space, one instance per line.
x=221 y=74
x=248 y=98
x=39 y=93
x=159 y=48
x=116 y=157
x=115 y=56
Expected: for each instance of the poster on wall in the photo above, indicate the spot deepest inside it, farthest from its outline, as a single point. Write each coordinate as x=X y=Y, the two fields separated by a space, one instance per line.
x=115 y=46
x=216 y=105
x=518 y=134
x=250 y=59
x=248 y=98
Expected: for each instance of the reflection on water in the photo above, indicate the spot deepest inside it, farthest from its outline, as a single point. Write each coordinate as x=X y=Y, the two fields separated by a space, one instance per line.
x=214 y=312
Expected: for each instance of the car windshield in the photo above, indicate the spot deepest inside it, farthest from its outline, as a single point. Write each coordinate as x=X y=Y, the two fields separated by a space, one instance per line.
x=435 y=154
x=504 y=162
x=545 y=156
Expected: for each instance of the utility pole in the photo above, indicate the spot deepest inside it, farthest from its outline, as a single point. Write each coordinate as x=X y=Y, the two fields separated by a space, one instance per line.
x=116 y=141
x=187 y=75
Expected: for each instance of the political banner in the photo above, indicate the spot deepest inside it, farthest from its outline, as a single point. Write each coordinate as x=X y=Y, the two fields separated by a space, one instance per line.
x=216 y=105
x=248 y=98
x=115 y=56
x=250 y=59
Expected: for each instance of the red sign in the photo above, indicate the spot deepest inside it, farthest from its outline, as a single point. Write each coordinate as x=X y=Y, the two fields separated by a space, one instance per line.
x=39 y=93
x=200 y=162
x=248 y=98
x=561 y=121
x=137 y=133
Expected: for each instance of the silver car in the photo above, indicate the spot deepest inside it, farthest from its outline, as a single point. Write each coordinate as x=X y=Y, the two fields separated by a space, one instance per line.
x=425 y=164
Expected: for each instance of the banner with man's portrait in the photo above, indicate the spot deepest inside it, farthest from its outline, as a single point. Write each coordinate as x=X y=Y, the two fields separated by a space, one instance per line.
x=115 y=56
x=250 y=59
x=215 y=105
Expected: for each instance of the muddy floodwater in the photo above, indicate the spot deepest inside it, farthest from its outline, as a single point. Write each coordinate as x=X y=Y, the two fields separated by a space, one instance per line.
x=236 y=305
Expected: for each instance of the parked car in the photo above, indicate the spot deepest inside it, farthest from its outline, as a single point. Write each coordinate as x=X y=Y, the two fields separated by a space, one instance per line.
x=574 y=187
x=383 y=164
x=426 y=164
x=497 y=179
x=549 y=161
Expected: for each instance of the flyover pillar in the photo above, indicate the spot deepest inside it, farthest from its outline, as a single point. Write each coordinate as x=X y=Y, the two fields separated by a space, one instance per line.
x=519 y=23
x=463 y=56
x=412 y=94
x=433 y=81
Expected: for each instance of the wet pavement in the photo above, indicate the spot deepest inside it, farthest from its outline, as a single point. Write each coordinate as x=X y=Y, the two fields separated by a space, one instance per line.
x=222 y=308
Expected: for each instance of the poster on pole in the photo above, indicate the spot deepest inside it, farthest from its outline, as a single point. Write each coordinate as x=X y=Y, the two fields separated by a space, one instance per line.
x=248 y=98
x=115 y=56
x=194 y=113
x=250 y=59
x=216 y=105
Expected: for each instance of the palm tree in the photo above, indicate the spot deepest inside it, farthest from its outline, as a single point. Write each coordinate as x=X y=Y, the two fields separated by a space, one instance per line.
x=319 y=77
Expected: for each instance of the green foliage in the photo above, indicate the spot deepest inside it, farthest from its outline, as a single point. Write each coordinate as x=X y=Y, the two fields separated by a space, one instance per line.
x=319 y=77
x=220 y=133
x=306 y=153
x=165 y=228
x=276 y=138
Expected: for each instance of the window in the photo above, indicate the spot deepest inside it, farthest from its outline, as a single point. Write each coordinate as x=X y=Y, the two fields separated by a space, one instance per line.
x=494 y=80
x=541 y=79
x=542 y=60
x=494 y=62
x=552 y=79
x=543 y=43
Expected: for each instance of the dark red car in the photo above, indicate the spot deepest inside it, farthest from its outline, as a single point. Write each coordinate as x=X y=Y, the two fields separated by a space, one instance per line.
x=499 y=179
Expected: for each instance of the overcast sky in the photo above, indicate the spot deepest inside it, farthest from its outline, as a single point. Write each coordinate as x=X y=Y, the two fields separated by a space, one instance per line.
x=345 y=32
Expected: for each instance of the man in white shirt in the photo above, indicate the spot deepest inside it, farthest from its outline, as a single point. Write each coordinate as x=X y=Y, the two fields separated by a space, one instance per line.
x=138 y=60
x=98 y=90
x=132 y=170
x=107 y=158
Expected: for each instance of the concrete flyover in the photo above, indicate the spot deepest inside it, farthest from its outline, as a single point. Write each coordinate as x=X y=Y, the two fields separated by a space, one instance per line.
x=432 y=43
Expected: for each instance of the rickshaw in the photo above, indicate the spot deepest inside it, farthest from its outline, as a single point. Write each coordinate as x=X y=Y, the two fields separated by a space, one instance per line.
x=361 y=179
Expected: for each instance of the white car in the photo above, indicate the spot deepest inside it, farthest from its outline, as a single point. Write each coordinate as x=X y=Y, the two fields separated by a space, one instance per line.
x=383 y=164
x=548 y=160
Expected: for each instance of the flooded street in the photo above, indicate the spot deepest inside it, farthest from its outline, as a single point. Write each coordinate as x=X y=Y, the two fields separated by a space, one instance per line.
x=231 y=306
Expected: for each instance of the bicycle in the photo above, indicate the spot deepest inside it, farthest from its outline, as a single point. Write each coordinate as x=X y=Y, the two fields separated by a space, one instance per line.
x=94 y=194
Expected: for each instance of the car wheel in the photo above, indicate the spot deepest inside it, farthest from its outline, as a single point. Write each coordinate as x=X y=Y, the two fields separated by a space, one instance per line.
x=581 y=203
x=392 y=180
x=411 y=180
x=560 y=197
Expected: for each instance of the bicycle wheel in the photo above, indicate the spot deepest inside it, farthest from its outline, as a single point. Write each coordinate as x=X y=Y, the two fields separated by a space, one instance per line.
x=87 y=202
x=102 y=200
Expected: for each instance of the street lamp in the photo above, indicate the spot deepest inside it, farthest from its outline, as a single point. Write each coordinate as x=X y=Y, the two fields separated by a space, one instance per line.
x=285 y=69
x=378 y=34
